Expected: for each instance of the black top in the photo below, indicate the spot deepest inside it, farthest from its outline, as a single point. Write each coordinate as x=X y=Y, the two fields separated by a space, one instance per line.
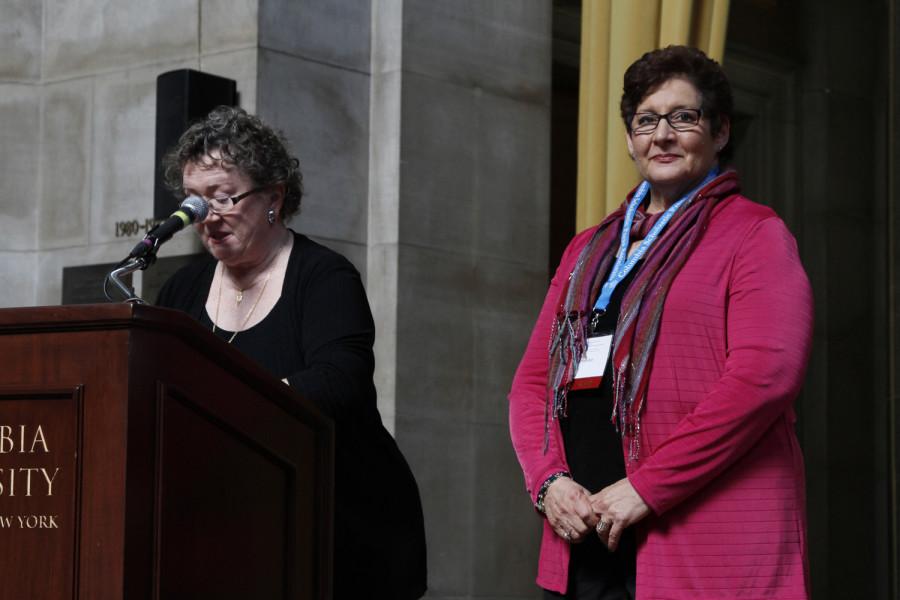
x=593 y=446
x=319 y=335
x=595 y=455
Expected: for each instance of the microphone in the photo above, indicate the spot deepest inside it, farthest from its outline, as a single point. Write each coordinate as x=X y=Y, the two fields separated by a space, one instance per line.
x=192 y=209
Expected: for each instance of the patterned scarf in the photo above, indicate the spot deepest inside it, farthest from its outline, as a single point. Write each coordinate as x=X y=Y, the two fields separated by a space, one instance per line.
x=641 y=310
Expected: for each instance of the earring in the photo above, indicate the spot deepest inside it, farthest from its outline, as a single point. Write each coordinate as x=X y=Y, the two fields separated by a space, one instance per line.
x=270 y=216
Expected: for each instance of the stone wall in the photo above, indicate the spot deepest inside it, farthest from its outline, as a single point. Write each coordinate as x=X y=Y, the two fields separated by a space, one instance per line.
x=77 y=103
x=473 y=236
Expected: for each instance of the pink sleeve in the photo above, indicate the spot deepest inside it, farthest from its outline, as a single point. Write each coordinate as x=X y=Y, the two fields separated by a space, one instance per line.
x=528 y=396
x=769 y=334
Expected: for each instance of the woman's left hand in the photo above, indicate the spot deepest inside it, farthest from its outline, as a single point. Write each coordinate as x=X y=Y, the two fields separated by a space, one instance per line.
x=620 y=506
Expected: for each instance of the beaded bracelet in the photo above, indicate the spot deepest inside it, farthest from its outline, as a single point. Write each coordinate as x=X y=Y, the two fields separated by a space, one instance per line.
x=539 y=504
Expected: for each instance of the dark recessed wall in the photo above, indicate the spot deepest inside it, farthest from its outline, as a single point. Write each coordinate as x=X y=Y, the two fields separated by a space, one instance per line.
x=833 y=195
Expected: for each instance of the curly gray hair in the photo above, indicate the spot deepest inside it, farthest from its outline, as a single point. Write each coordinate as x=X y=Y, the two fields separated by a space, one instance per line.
x=245 y=141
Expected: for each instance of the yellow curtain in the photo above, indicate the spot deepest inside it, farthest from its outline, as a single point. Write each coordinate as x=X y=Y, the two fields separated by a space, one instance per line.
x=614 y=33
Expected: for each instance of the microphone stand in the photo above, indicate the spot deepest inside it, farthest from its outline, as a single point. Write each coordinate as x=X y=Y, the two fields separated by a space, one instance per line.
x=192 y=209
x=128 y=266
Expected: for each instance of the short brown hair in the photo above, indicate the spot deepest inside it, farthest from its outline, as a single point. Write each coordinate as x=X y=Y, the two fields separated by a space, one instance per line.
x=658 y=66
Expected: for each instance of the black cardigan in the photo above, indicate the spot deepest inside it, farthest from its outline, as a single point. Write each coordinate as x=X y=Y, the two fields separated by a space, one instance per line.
x=319 y=335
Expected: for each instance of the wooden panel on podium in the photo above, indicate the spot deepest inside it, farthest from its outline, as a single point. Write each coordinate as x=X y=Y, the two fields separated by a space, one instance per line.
x=141 y=457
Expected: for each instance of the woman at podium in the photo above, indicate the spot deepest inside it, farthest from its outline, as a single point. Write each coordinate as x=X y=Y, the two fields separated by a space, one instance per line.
x=299 y=310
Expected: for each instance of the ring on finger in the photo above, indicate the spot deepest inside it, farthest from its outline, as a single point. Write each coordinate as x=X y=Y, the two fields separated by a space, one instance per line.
x=567 y=536
x=602 y=526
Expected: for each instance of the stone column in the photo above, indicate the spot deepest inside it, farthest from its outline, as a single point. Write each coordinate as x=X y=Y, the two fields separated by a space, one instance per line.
x=423 y=132
x=472 y=252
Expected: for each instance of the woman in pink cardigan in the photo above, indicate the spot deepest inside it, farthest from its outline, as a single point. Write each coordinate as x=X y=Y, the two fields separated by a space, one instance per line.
x=652 y=412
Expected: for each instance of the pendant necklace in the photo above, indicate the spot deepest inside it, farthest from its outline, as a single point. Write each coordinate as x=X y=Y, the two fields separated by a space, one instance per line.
x=240 y=296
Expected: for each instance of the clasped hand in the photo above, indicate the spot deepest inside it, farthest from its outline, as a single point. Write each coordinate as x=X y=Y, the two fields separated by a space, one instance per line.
x=574 y=513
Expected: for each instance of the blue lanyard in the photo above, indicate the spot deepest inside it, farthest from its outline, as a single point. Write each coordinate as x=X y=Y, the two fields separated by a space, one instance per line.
x=625 y=263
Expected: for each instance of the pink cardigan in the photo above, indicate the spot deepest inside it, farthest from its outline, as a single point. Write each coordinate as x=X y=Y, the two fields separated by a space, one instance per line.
x=719 y=464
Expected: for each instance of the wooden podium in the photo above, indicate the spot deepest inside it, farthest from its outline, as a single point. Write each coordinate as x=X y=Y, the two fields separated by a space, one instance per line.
x=143 y=458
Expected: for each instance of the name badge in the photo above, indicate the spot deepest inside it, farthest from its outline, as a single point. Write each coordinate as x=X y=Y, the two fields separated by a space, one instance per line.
x=593 y=363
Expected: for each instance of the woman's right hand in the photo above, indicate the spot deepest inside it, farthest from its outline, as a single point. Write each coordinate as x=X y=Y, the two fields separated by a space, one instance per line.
x=568 y=509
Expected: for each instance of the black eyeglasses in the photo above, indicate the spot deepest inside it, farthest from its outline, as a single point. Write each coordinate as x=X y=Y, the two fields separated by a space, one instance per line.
x=681 y=119
x=223 y=204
